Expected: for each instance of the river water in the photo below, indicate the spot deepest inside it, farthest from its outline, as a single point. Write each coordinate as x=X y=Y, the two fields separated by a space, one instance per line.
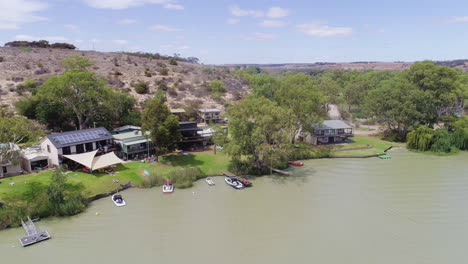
x=410 y=209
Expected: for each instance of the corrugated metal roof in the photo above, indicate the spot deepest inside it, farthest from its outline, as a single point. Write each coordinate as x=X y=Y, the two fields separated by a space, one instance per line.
x=332 y=124
x=177 y=111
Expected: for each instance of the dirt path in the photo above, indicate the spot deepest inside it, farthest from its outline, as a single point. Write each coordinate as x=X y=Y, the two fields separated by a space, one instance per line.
x=333 y=112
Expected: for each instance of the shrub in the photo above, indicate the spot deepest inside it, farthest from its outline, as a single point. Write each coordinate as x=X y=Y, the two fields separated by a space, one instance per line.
x=173 y=61
x=217 y=88
x=164 y=71
x=141 y=87
x=184 y=177
x=148 y=72
x=172 y=92
x=442 y=141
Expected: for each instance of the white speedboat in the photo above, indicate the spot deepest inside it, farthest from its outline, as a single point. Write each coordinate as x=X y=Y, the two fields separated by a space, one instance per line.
x=209 y=181
x=234 y=183
x=168 y=187
x=118 y=200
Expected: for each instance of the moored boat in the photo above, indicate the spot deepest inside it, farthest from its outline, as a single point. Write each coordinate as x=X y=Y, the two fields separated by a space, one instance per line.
x=118 y=200
x=168 y=187
x=209 y=181
x=234 y=183
x=295 y=163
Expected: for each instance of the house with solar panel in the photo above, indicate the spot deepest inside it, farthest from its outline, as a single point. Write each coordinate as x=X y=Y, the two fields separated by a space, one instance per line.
x=56 y=145
x=329 y=132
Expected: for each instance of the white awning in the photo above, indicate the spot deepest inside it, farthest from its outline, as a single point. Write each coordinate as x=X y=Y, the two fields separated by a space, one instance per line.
x=94 y=163
x=85 y=159
x=105 y=160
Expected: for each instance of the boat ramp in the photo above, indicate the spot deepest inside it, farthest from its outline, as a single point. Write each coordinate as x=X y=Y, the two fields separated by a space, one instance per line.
x=33 y=236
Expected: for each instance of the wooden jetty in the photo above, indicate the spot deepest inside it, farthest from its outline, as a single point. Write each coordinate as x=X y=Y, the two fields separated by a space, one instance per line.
x=33 y=236
x=280 y=172
x=232 y=175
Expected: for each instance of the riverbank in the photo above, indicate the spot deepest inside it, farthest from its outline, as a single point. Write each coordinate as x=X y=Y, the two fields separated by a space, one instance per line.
x=365 y=145
x=97 y=183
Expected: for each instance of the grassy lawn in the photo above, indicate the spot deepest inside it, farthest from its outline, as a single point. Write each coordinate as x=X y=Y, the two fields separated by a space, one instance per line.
x=97 y=183
x=378 y=146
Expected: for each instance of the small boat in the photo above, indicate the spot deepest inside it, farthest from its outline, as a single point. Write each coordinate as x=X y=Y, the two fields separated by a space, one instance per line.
x=234 y=183
x=209 y=181
x=295 y=163
x=118 y=200
x=168 y=187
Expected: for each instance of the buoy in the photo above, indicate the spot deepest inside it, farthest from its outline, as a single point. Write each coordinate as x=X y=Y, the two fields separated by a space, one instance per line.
x=97 y=213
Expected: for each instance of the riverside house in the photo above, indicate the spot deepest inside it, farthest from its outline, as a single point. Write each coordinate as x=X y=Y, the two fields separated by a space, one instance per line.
x=329 y=132
x=208 y=116
x=133 y=144
x=75 y=142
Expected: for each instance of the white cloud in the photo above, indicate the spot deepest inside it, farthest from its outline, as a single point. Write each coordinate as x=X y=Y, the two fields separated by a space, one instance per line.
x=73 y=28
x=272 y=23
x=277 y=12
x=124 y=4
x=257 y=36
x=13 y=13
x=237 y=11
x=462 y=19
x=31 y=38
x=173 y=6
x=320 y=30
x=120 y=41
x=6 y=26
x=233 y=21
x=164 y=28
x=127 y=21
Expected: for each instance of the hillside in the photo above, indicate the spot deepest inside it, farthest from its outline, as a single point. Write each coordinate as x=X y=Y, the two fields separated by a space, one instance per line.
x=184 y=81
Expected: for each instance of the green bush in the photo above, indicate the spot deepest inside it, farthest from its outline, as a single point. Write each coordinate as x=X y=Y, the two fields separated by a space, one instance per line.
x=442 y=141
x=217 y=88
x=173 y=61
x=164 y=71
x=141 y=87
x=420 y=138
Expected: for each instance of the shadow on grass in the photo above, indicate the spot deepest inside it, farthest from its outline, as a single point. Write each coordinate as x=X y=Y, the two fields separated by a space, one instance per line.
x=182 y=160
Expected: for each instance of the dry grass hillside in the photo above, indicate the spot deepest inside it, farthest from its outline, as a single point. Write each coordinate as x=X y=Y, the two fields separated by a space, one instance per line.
x=182 y=82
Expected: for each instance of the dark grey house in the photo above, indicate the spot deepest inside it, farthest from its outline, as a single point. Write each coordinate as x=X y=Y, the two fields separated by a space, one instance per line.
x=329 y=132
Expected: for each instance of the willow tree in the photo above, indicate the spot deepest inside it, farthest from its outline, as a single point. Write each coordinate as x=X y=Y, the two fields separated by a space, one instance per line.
x=420 y=138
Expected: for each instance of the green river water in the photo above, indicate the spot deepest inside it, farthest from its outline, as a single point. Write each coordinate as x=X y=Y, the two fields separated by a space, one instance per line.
x=410 y=209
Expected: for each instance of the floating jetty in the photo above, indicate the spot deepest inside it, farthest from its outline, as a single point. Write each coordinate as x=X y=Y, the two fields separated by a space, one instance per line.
x=232 y=175
x=33 y=236
x=385 y=157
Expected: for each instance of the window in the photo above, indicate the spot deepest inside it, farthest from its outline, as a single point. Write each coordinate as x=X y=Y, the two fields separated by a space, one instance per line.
x=66 y=151
x=80 y=148
x=48 y=148
x=4 y=169
x=89 y=146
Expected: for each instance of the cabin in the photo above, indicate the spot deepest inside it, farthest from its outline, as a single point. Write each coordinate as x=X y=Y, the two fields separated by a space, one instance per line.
x=190 y=137
x=133 y=144
x=76 y=142
x=330 y=132
x=7 y=167
x=208 y=116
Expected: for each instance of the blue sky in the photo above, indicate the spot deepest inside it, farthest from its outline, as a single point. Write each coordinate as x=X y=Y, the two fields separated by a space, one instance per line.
x=255 y=31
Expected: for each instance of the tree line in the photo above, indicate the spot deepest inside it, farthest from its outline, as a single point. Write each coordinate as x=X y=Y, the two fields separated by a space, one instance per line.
x=40 y=44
